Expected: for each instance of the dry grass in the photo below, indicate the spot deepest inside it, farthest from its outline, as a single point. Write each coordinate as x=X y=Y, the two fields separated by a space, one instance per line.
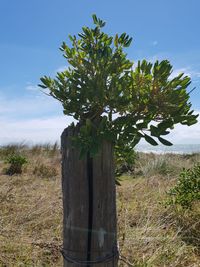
x=31 y=214
x=150 y=234
x=167 y=165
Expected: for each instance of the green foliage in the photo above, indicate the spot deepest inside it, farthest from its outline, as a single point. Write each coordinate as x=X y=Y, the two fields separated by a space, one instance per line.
x=90 y=136
x=125 y=158
x=187 y=189
x=16 y=162
x=101 y=84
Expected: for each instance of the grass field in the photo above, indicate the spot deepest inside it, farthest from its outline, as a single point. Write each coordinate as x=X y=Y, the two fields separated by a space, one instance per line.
x=150 y=233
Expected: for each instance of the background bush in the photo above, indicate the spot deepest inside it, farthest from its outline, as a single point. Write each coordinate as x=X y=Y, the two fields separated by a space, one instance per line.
x=187 y=189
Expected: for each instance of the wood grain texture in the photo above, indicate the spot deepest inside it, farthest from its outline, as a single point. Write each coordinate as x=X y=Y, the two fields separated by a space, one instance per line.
x=76 y=204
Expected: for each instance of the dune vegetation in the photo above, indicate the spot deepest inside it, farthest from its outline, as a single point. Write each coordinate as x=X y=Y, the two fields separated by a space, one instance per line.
x=151 y=232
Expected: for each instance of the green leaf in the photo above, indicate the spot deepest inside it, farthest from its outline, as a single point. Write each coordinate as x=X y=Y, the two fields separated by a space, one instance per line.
x=122 y=37
x=154 y=131
x=150 y=140
x=190 y=122
x=71 y=38
x=116 y=40
x=127 y=44
x=164 y=142
x=164 y=132
x=165 y=124
x=142 y=125
x=95 y=20
x=42 y=86
x=136 y=139
x=102 y=24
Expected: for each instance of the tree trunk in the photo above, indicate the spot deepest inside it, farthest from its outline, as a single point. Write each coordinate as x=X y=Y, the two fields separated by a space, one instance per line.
x=89 y=203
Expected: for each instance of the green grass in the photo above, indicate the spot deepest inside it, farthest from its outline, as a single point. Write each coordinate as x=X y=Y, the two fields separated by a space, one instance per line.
x=149 y=234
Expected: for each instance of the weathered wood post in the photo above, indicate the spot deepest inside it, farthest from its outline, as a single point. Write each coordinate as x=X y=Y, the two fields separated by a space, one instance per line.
x=89 y=223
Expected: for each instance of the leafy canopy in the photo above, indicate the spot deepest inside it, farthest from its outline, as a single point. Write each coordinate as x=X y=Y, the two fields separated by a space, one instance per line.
x=114 y=100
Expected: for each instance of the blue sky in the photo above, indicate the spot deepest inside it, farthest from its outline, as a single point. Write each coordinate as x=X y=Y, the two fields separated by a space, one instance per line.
x=32 y=31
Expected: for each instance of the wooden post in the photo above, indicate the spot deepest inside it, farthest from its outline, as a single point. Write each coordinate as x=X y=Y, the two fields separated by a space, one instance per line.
x=89 y=204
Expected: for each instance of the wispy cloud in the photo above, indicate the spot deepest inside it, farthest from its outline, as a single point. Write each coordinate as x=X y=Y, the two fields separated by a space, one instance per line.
x=195 y=74
x=33 y=118
x=187 y=71
x=32 y=87
x=38 y=130
x=32 y=105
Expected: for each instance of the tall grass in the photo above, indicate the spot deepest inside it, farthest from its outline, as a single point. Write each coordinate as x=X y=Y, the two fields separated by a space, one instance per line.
x=167 y=165
x=10 y=149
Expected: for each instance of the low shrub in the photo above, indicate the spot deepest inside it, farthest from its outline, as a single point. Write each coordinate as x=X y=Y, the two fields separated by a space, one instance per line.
x=187 y=189
x=16 y=162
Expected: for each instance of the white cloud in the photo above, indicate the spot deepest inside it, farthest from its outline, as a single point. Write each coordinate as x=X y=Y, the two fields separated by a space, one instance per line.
x=188 y=71
x=32 y=118
x=195 y=74
x=183 y=134
x=31 y=105
x=39 y=130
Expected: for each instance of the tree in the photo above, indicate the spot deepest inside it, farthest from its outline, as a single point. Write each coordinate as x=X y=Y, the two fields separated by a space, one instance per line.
x=101 y=82
x=113 y=99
